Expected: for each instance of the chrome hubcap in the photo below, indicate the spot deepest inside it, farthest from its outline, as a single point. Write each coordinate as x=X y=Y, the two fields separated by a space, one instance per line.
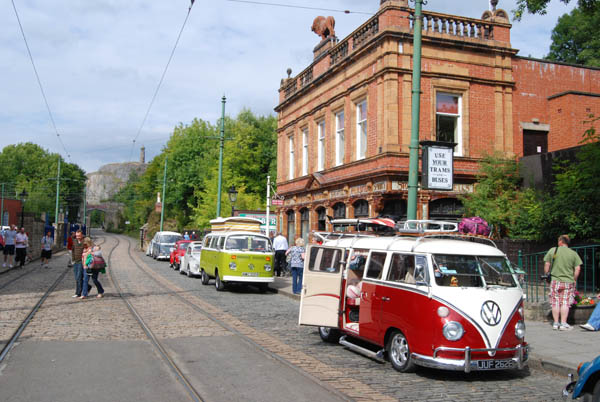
x=399 y=349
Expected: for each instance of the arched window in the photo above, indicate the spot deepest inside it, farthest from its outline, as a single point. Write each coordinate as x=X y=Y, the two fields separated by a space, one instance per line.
x=361 y=209
x=395 y=209
x=291 y=226
x=304 y=224
x=321 y=219
x=339 y=210
x=446 y=208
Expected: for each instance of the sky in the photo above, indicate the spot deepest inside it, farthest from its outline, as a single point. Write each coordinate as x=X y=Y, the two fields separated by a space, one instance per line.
x=100 y=63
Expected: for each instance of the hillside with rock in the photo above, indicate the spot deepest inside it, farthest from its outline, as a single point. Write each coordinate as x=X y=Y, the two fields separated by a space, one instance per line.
x=109 y=179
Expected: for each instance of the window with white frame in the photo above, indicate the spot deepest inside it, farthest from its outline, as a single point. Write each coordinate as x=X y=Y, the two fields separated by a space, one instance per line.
x=305 y=152
x=291 y=167
x=321 y=145
x=361 y=129
x=448 y=119
x=339 y=138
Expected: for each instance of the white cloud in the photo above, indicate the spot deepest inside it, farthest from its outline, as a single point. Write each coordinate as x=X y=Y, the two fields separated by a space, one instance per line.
x=100 y=63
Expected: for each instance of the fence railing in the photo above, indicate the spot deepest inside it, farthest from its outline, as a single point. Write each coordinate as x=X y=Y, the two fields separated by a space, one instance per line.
x=533 y=267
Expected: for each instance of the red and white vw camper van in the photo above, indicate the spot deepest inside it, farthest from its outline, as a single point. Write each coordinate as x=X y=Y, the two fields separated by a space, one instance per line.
x=432 y=299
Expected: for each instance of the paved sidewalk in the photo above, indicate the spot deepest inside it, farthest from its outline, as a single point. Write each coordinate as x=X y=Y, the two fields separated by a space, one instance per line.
x=559 y=352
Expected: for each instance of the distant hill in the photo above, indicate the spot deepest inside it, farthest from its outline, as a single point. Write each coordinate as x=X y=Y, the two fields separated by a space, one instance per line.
x=109 y=179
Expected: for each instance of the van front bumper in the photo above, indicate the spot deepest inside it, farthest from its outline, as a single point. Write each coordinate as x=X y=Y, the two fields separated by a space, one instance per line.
x=249 y=279
x=467 y=364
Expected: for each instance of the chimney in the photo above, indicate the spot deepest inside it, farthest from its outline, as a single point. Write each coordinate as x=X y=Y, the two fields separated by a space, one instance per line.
x=142 y=155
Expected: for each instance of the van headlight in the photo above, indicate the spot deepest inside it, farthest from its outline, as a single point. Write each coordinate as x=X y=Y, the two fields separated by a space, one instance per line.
x=520 y=330
x=268 y=267
x=453 y=330
x=232 y=266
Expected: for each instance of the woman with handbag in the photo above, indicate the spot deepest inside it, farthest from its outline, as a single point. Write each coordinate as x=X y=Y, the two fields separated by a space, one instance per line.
x=91 y=258
x=296 y=255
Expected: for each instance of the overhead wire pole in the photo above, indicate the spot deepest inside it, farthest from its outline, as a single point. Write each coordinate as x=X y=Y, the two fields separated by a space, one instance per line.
x=85 y=206
x=413 y=164
x=162 y=207
x=2 y=207
x=221 y=146
x=57 y=193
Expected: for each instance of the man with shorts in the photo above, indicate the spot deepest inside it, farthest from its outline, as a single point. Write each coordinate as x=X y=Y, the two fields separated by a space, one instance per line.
x=564 y=266
x=9 y=245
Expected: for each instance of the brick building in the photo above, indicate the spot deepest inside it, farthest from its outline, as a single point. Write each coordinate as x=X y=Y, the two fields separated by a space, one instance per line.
x=11 y=212
x=344 y=122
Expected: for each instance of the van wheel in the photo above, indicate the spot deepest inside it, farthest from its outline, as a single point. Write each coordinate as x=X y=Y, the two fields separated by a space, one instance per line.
x=204 y=278
x=399 y=352
x=188 y=272
x=330 y=335
x=219 y=285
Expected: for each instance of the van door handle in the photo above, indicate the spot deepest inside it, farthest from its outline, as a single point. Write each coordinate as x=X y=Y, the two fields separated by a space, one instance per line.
x=385 y=298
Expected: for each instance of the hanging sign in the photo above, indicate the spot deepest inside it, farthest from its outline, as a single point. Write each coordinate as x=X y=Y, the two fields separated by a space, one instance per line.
x=437 y=165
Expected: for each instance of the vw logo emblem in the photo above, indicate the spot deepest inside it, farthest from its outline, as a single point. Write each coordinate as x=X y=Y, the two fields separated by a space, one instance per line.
x=250 y=266
x=490 y=313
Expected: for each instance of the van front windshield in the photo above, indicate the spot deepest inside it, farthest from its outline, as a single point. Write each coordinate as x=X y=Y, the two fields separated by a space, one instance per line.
x=248 y=243
x=473 y=271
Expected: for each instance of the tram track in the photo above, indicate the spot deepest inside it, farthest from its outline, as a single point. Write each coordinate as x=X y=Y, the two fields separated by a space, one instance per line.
x=25 y=322
x=297 y=361
x=160 y=348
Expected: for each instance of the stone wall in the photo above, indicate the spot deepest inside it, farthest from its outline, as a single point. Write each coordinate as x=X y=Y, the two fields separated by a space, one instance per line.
x=35 y=231
x=109 y=179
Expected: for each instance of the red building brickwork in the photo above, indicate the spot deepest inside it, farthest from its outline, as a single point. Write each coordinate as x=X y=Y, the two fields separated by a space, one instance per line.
x=11 y=212
x=344 y=122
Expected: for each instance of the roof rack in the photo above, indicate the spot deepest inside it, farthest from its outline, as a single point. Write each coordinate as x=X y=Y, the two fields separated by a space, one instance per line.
x=454 y=235
x=426 y=225
x=339 y=236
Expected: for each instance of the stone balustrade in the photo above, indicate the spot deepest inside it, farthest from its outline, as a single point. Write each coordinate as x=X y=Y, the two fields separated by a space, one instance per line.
x=338 y=53
x=368 y=30
x=306 y=77
x=434 y=23
x=290 y=88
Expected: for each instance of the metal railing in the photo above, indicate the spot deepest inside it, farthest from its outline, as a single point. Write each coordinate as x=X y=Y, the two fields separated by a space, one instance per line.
x=533 y=267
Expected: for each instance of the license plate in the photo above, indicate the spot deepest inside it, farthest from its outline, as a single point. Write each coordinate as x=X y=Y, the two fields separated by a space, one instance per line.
x=495 y=364
x=249 y=273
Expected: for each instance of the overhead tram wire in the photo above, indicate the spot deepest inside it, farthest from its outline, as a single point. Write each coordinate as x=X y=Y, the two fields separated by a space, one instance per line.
x=303 y=7
x=39 y=81
x=161 y=80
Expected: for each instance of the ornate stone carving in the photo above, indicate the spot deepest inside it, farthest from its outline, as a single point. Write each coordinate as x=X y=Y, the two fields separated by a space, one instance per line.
x=324 y=26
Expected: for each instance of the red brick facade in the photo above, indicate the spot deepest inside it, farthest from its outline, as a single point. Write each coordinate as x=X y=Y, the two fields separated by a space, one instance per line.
x=494 y=94
x=12 y=211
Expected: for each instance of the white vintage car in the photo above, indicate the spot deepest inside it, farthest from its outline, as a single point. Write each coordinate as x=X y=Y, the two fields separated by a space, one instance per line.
x=190 y=262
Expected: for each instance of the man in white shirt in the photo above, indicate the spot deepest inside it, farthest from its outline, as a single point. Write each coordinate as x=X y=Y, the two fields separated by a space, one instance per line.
x=21 y=243
x=9 y=245
x=280 y=245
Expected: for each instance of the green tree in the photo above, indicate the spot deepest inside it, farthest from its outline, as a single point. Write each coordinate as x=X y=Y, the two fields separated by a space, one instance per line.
x=499 y=199
x=570 y=208
x=574 y=38
x=29 y=167
x=540 y=6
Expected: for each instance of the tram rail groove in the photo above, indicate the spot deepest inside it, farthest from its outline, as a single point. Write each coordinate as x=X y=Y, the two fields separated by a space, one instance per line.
x=239 y=333
x=7 y=348
x=192 y=392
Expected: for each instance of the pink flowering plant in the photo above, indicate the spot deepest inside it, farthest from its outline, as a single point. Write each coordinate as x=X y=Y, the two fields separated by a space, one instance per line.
x=583 y=301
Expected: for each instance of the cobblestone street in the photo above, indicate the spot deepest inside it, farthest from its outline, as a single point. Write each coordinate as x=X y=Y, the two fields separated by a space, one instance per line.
x=181 y=311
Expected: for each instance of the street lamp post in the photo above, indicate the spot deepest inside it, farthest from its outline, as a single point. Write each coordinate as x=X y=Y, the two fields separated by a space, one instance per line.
x=23 y=197
x=232 y=197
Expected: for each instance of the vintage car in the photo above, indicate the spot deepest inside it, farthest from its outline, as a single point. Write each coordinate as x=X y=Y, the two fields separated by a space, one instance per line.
x=190 y=261
x=177 y=252
x=161 y=244
x=587 y=385
x=419 y=298
x=235 y=252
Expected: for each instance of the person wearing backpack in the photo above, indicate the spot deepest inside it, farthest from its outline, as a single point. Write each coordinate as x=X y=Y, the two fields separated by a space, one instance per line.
x=93 y=263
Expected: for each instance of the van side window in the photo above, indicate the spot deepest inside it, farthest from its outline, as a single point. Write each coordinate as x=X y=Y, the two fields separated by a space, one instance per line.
x=221 y=242
x=324 y=260
x=213 y=242
x=402 y=268
x=375 y=267
x=207 y=241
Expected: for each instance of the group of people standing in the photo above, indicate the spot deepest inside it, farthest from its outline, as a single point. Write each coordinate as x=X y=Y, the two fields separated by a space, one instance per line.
x=82 y=253
x=14 y=244
x=289 y=257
